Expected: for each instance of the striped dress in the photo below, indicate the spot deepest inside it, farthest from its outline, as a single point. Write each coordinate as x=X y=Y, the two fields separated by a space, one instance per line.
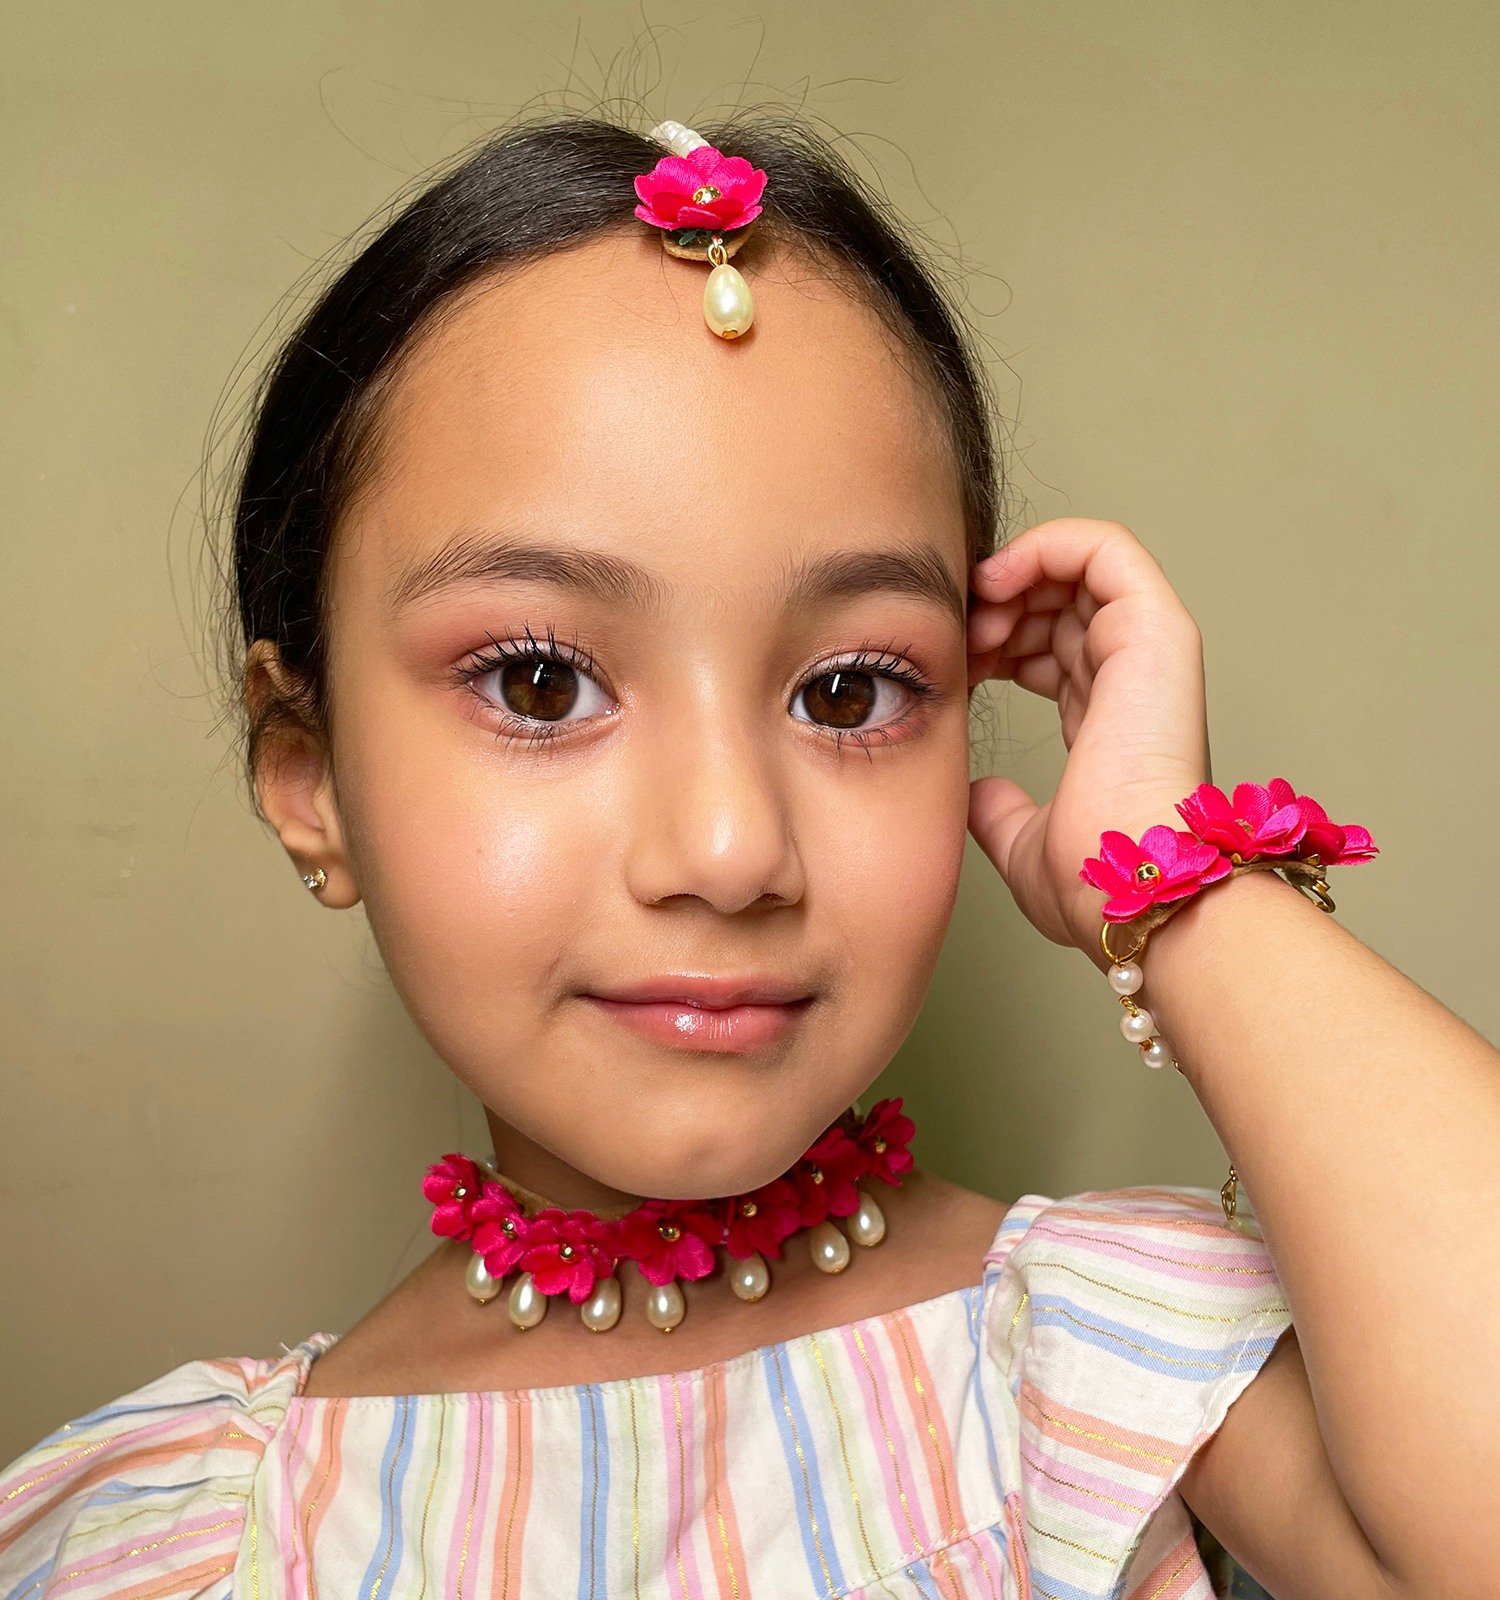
x=1017 y=1438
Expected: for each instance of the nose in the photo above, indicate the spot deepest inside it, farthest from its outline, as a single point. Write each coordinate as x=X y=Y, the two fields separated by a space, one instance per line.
x=714 y=818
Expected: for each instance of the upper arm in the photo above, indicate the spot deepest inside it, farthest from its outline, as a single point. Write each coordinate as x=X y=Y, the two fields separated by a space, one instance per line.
x=1263 y=1486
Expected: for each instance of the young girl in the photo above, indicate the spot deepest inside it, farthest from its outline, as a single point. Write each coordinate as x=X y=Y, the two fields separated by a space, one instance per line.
x=612 y=613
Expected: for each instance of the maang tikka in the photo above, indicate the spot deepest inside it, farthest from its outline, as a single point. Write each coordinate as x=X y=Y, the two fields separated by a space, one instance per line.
x=704 y=202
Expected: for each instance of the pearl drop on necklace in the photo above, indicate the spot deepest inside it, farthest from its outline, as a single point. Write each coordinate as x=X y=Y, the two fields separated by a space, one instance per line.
x=839 y=1162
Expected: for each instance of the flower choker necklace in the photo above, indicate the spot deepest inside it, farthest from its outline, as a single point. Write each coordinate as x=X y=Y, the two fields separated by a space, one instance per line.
x=556 y=1250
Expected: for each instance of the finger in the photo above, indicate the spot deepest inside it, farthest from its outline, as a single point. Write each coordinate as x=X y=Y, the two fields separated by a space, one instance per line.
x=1049 y=594
x=1044 y=595
x=990 y=624
x=1041 y=675
x=998 y=810
x=1103 y=556
x=1030 y=636
x=1068 y=638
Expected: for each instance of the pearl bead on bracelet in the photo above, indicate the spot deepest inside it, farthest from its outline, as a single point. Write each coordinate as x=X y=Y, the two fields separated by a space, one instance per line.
x=1138 y=1025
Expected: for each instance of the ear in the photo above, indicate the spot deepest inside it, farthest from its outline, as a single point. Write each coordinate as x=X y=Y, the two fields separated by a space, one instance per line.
x=294 y=783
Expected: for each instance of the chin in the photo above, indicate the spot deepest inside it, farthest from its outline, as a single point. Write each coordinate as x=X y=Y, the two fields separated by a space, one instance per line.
x=706 y=1159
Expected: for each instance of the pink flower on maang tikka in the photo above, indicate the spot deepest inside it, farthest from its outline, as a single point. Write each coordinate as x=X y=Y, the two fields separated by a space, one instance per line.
x=705 y=189
x=1167 y=864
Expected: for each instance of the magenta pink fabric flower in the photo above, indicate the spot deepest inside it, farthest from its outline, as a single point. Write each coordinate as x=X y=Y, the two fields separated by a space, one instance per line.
x=662 y=1259
x=453 y=1185
x=499 y=1229
x=1167 y=864
x=777 y=1214
x=1331 y=843
x=564 y=1250
x=889 y=1126
x=842 y=1164
x=668 y=191
x=1257 y=822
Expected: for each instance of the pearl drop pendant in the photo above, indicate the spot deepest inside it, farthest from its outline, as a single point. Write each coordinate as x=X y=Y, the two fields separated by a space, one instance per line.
x=829 y=1248
x=601 y=1311
x=867 y=1225
x=751 y=1277
x=665 y=1306
x=528 y=1305
x=728 y=306
x=480 y=1282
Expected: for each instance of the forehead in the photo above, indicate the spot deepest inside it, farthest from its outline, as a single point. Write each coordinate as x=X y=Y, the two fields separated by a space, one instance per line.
x=584 y=394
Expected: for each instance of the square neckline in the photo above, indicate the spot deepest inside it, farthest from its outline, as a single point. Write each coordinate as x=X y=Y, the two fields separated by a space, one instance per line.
x=991 y=1259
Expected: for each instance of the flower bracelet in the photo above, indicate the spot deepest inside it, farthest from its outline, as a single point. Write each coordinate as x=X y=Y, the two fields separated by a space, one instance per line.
x=1262 y=829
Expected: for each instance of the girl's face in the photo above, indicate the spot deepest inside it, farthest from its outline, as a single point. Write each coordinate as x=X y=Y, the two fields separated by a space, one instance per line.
x=647 y=659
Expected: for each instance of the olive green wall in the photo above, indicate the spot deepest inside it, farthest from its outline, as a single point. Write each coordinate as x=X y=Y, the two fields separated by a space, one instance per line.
x=1237 y=268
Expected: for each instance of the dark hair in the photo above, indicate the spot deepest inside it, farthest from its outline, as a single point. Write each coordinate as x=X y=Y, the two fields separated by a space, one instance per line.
x=530 y=190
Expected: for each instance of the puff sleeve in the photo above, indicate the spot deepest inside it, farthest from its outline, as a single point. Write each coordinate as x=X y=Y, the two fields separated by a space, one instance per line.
x=1124 y=1323
x=147 y=1494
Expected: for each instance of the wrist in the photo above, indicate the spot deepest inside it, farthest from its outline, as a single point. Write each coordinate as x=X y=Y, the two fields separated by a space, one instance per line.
x=1174 y=891
x=1210 y=917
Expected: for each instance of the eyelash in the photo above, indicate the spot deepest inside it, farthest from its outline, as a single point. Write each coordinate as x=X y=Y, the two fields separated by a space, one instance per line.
x=876 y=659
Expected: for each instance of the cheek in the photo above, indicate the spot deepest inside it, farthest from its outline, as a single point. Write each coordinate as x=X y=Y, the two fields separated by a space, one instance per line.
x=471 y=878
x=893 y=872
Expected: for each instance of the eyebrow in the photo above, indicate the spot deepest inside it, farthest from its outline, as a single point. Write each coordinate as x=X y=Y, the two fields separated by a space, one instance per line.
x=917 y=570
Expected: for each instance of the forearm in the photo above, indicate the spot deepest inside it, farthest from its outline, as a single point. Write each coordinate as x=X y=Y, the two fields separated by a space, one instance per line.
x=1363 y=1119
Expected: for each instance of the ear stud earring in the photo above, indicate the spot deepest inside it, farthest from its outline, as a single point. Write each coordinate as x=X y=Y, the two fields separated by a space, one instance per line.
x=315 y=879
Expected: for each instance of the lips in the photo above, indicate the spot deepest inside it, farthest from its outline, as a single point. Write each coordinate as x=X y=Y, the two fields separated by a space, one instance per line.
x=709 y=993
x=728 y=1014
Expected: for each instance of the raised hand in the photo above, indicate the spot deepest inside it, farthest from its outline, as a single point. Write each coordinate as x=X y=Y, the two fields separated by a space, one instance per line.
x=1079 y=611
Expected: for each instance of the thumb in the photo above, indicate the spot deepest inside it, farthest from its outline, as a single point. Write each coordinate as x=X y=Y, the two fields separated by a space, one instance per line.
x=998 y=810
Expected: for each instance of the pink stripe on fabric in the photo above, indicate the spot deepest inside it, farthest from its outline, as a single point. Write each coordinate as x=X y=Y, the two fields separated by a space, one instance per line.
x=119 y=1560
x=466 y=1506
x=895 y=1460
x=681 y=1580
x=291 y=1448
x=937 y=1452
x=329 y=1470
x=1103 y=1502
x=1180 y=1263
x=137 y=1434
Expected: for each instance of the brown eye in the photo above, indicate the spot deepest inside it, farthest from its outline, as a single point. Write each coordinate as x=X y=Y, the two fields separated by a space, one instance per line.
x=543 y=690
x=534 y=686
x=841 y=699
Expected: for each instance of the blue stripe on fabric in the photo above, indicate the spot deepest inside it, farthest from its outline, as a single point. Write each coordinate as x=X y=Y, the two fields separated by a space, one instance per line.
x=385 y=1561
x=974 y=1301
x=594 y=1504
x=1044 y=1583
x=1144 y=1349
x=804 y=1473
x=116 y=1408
x=1002 y=1545
x=31 y=1582
x=920 y=1572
